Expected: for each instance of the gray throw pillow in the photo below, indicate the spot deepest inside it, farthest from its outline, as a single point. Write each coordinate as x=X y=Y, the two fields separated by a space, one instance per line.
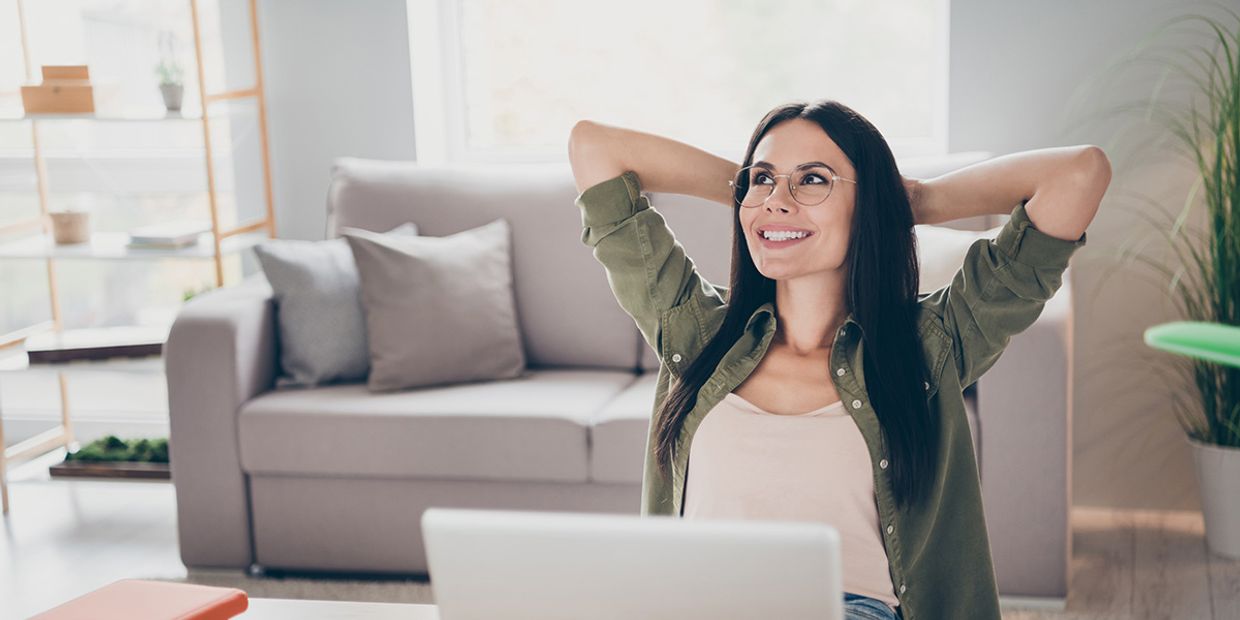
x=318 y=309
x=439 y=310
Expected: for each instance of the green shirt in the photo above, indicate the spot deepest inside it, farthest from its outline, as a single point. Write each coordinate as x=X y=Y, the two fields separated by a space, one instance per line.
x=939 y=553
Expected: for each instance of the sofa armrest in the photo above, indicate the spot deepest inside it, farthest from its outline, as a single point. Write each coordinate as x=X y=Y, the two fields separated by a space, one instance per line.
x=220 y=352
x=1025 y=415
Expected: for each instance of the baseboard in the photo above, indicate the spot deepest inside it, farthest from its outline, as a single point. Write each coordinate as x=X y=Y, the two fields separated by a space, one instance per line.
x=1047 y=603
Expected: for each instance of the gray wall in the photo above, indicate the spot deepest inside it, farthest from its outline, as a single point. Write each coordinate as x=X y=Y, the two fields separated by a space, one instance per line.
x=338 y=84
x=1016 y=69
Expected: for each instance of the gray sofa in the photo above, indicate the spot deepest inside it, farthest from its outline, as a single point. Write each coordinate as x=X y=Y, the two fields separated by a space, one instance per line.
x=336 y=478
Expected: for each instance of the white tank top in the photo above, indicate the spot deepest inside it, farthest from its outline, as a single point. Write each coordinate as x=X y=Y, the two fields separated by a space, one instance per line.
x=748 y=463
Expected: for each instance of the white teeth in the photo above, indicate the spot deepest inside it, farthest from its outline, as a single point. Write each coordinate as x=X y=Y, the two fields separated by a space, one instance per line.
x=782 y=235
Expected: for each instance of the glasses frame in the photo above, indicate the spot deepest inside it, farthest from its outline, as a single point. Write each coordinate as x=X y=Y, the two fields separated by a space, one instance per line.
x=792 y=188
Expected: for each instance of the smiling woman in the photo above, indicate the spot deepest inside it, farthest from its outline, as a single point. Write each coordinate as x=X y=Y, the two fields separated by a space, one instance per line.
x=787 y=337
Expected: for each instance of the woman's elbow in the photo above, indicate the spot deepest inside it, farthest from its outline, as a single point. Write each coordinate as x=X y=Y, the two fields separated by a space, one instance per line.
x=592 y=155
x=1092 y=167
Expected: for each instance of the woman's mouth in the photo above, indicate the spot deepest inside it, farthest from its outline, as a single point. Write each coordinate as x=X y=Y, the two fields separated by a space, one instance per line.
x=775 y=244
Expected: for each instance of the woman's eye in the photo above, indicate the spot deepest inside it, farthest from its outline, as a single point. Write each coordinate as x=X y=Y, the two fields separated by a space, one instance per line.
x=759 y=178
x=812 y=176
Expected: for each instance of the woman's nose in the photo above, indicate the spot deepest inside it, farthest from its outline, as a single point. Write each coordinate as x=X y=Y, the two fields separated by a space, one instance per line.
x=781 y=197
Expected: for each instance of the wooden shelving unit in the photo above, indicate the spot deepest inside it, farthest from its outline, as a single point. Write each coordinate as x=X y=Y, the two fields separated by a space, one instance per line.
x=33 y=235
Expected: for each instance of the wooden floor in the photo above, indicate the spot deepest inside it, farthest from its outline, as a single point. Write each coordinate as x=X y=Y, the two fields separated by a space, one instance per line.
x=64 y=538
x=1145 y=564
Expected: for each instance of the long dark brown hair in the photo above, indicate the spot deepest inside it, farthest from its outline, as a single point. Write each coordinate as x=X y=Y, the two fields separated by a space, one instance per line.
x=881 y=293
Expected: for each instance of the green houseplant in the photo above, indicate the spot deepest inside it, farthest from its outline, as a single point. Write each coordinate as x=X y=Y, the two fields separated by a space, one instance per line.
x=112 y=448
x=1200 y=267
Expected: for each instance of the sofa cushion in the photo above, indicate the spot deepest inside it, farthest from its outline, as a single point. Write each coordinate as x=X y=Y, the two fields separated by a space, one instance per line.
x=619 y=430
x=941 y=251
x=529 y=428
x=318 y=309
x=624 y=424
x=439 y=310
x=571 y=319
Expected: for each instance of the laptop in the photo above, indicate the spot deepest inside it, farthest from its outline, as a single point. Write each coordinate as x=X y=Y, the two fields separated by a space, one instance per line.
x=525 y=565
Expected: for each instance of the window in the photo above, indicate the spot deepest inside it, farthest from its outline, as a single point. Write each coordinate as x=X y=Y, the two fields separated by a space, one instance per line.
x=503 y=80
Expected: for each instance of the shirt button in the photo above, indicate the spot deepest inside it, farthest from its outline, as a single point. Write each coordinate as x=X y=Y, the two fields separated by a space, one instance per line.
x=889 y=528
x=927 y=384
x=883 y=464
x=843 y=330
x=902 y=588
x=856 y=404
x=675 y=357
x=839 y=372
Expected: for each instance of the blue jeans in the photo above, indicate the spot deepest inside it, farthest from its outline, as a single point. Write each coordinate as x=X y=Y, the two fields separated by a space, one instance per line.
x=858 y=607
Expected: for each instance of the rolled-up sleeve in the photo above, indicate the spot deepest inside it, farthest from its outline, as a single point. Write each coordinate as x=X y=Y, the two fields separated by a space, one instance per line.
x=999 y=291
x=646 y=266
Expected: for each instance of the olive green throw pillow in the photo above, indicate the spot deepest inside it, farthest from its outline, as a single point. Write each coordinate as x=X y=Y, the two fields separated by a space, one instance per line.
x=439 y=310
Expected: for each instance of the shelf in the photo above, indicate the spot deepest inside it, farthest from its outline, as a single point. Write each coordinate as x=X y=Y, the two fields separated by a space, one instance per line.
x=19 y=361
x=114 y=246
x=133 y=348
x=119 y=116
x=111 y=469
x=93 y=344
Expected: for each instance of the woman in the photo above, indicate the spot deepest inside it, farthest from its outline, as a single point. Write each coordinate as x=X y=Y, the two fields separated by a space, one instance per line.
x=820 y=386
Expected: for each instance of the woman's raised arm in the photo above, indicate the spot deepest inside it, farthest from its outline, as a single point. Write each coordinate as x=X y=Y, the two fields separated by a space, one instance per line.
x=1005 y=282
x=646 y=266
x=598 y=152
x=1063 y=187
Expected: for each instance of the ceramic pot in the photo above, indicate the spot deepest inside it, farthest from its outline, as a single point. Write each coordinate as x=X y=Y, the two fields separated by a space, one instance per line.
x=71 y=226
x=1218 y=478
x=172 y=95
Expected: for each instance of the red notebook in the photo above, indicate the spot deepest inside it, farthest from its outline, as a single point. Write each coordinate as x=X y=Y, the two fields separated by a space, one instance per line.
x=138 y=599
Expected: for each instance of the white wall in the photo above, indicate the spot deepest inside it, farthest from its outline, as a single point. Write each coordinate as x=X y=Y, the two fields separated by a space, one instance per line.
x=338 y=84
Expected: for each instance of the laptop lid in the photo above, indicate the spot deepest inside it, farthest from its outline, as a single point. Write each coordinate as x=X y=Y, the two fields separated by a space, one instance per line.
x=527 y=565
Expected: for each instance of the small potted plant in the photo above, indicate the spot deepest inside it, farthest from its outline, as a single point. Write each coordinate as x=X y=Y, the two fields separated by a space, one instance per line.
x=169 y=71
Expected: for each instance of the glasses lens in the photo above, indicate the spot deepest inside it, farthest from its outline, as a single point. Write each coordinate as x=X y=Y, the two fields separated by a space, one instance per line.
x=756 y=183
x=813 y=185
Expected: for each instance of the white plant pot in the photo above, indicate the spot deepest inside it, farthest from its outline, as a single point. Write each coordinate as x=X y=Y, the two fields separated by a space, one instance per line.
x=1218 y=478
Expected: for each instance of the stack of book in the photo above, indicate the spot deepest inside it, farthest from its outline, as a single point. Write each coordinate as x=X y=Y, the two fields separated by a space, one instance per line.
x=156 y=600
x=168 y=235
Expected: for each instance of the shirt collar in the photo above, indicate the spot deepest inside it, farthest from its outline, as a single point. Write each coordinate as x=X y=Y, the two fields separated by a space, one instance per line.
x=769 y=309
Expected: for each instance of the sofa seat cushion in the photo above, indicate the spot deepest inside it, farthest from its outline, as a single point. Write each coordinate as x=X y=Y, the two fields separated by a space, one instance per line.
x=620 y=429
x=533 y=427
x=618 y=433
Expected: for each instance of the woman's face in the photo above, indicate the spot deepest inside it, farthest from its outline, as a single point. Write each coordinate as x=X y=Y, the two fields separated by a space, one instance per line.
x=829 y=223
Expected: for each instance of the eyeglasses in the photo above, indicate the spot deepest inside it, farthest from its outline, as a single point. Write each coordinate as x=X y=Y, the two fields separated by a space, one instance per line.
x=810 y=184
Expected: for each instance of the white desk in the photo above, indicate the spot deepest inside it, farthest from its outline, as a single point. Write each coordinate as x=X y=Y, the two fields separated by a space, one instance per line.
x=293 y=609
